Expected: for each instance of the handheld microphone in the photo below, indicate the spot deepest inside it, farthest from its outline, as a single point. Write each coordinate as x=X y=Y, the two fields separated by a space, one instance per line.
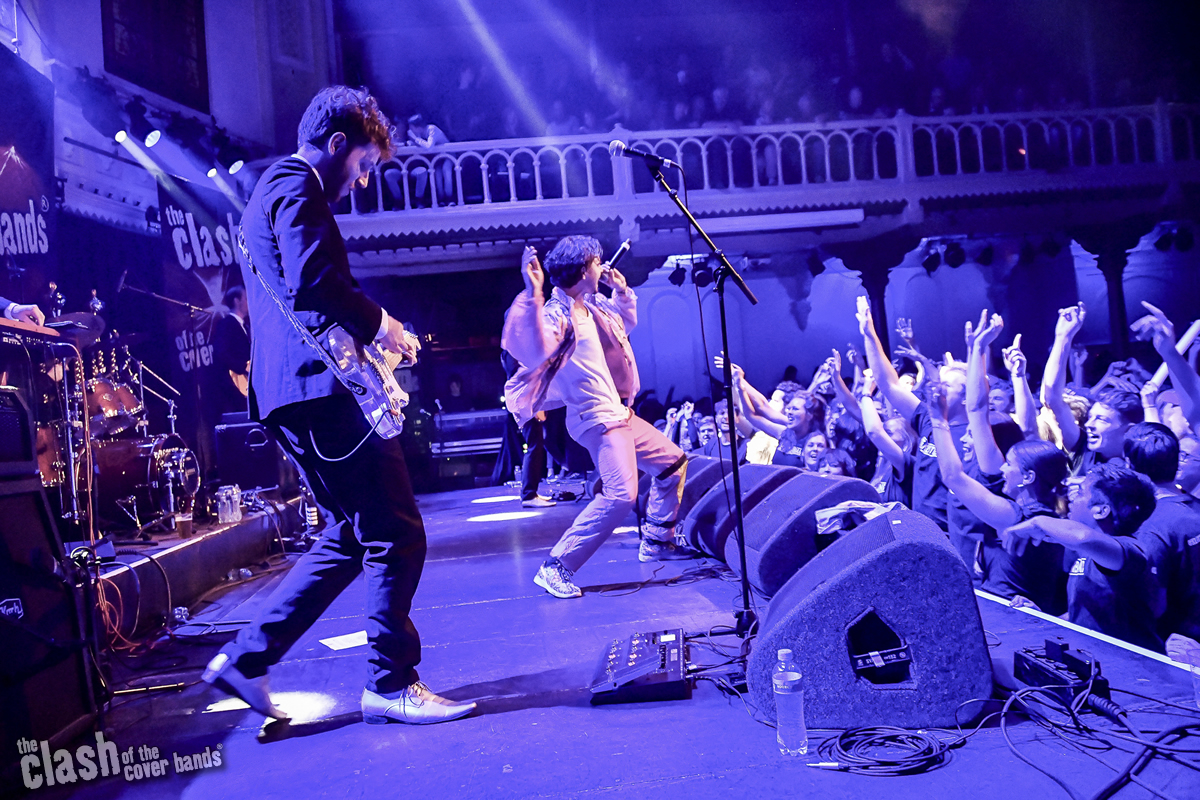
x=618 y=254
x=618 y=148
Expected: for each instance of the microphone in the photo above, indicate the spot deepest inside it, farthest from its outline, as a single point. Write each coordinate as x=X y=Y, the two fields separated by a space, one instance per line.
x=121 y=282
x=618 y=255
x=618 y=148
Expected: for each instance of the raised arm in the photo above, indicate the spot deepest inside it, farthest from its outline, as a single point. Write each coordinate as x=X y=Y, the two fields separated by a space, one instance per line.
x=901 y=399
x=877 y=432
x=751 y=413
x=1025 y=407
x=1054 y=380
x=1156 y=327
x=528 y=336
x=994 y=511
x=979 y=341
x=840 y=389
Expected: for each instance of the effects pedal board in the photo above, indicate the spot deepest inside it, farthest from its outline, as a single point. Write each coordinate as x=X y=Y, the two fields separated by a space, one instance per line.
x=1060 y=671
x=644 y=667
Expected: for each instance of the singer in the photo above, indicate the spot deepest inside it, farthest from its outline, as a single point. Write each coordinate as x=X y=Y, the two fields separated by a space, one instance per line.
x=574 y=351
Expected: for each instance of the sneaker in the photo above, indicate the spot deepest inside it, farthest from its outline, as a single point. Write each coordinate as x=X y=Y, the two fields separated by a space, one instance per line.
x=415 y=705
x=538 y=501
x=556 y=579
x=655 y=550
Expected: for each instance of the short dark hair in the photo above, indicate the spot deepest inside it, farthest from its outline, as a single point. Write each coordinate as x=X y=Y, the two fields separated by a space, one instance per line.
x=352 y=112
x=1006 y=432
x=1153 y=450
x=232 y=295
x=1130 y=495
x=840 y=458
x=570 y=256
x=1127 y=404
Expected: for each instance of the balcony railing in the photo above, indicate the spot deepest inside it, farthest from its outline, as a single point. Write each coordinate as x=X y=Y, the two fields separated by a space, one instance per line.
x=902 y=156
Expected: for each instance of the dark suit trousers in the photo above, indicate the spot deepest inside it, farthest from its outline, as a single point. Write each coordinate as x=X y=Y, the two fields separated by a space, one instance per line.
x=373 y=526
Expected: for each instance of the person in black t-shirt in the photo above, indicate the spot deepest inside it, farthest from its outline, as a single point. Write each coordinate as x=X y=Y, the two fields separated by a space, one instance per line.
x=929 y=495
x=1032 y=472
x=1171 y=536
x=1109 y=585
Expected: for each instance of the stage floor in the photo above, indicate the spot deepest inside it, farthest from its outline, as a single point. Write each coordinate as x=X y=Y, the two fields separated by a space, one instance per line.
x=491 y=635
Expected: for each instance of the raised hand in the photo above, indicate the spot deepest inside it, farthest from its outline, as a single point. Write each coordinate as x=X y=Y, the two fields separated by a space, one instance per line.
x=990 y=333
x=1070 y=321
x=972 y=333
x=904 y=329
x=1149 y=393
x=835 y=363
x=1014 y=360
x=862 y=312
x=531 y=271
x=613 y=277
x=1018 y=537
x=1157 y=328
x=938 y=405
x=919 y=357
x=855 y=357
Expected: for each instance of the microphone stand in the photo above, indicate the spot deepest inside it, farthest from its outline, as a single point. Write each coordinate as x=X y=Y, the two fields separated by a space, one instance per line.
x=745 y=615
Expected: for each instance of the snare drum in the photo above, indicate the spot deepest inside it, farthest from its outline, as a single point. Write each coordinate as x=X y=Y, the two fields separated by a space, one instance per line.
x=143 y=478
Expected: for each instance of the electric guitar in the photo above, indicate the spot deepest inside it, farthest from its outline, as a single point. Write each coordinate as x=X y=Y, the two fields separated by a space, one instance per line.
x=364 y=369
x=370 y=367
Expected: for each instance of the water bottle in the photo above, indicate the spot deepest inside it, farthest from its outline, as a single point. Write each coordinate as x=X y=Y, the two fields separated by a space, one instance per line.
x=790 y=730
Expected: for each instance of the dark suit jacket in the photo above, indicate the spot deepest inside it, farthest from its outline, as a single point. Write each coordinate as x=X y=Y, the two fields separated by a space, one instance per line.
x=294 y=242
x=231 y=351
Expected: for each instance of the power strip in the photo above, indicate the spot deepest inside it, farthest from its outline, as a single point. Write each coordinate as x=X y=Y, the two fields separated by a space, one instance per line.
x=1059 y=671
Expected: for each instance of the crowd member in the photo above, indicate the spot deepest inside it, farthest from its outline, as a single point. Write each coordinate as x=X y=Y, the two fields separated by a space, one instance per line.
x=897 y=444
x=928 y=493
x=1109 y=585
x=1031 y=473
x=836 y=462
x=574 y=351
x=719 y=446
x=1171 y=535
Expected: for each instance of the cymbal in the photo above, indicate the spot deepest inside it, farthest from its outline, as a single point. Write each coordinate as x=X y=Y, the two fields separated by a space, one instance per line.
x=80 y=327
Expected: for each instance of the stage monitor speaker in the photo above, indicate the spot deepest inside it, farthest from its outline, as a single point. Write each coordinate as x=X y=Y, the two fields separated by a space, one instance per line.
x=703 y=472
x=708 y=525
x=884 y=627
x=781 y=530
x=46 y=690
x=247 y=455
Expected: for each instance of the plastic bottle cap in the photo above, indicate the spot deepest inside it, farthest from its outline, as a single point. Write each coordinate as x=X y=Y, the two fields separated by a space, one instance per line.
x=785 y=654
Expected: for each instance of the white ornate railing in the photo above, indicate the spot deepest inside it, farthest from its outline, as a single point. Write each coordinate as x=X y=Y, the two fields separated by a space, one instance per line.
x=903 y=156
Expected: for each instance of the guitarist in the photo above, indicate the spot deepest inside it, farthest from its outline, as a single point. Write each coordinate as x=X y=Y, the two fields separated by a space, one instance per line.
x=373 y=525
x=231 y=351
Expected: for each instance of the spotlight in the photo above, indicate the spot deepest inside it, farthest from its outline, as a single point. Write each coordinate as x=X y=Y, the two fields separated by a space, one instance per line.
x=139 y=127
x=702 y=272
x=986 y=256
x=1165 y=241
x=1184 y=239
x=955 y=255
x=678 y=275
x=1051 y=247
x=229 y=155
x=932 y=261
x=1028 y=253
x=815 y=265
x=188 y=133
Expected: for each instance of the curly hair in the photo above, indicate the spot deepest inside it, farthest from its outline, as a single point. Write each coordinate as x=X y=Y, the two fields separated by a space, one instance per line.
x=568 y=259
x=351 y=112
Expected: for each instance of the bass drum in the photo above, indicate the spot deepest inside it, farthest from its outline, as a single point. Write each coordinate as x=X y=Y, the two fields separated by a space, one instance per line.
x=143 y=479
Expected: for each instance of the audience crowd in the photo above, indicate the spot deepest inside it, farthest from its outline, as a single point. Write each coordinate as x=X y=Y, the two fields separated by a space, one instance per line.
x=1080 y=501
x=692 y=89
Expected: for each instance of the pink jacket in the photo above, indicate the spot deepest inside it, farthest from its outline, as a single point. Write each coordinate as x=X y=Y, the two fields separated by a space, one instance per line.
x=539 y=335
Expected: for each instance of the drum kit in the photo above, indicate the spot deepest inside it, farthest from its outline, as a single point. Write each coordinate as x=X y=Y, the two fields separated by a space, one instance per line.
x=93 y=441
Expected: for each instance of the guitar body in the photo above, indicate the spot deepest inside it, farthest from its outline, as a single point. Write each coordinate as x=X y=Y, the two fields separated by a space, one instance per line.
x=370 y=367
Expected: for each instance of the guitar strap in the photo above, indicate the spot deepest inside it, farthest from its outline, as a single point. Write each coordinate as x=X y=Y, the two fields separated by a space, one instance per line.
x=308 y=338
